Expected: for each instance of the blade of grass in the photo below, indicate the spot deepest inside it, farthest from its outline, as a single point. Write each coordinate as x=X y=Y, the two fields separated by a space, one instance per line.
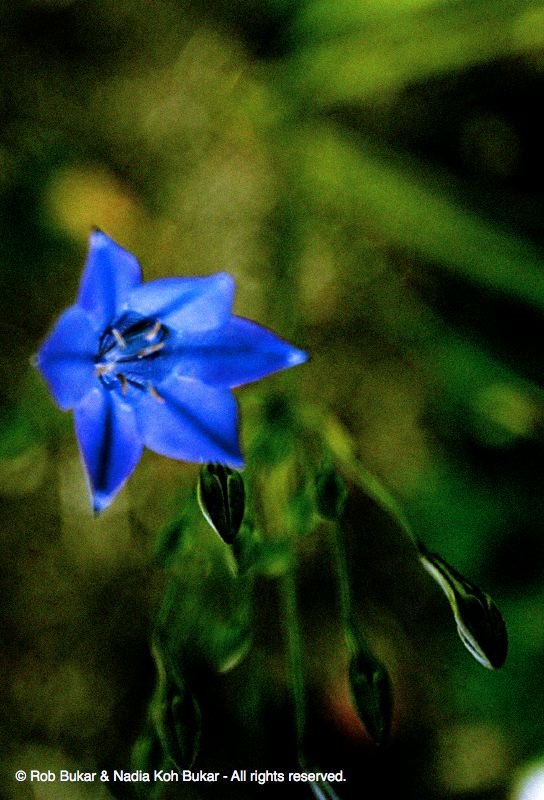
x=415 y=214
x=366 y=52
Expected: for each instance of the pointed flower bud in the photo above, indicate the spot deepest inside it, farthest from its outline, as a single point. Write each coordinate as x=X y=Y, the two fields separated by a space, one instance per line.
x=176 y=716
x=372 y=694
x=186 y=722
x=147 y=752
x=479 y=621
x=221 y=497
x=330 y=494
x=175 y=713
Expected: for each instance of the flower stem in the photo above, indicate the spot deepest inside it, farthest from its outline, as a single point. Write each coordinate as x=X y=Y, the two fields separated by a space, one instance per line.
x=354 y=637
x=294 y=653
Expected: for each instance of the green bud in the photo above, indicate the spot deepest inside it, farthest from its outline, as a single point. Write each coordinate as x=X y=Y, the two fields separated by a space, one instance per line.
x=221 y=497
x=147 y=753
x=231 y=644
x=330 y=494
x=174 y=712
x=479 y=621
x=186 y=722
x=372 y=694
x=176 y=718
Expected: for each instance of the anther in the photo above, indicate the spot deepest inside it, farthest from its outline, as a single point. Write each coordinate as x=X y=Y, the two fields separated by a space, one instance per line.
x=150 y=335
x=148 y=351
x=124 y=382
x=154 y=393
x=103 y=369
x=118 y=338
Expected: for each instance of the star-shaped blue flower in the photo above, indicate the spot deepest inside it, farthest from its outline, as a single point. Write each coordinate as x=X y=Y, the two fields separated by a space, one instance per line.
x=153 y=364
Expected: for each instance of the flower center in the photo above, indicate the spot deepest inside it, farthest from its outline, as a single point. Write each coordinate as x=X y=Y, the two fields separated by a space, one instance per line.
x=128 y=351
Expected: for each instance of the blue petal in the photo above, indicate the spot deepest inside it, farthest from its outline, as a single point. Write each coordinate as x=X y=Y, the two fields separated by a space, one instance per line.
x=239 y=353
x=186 y=304
x=191 y=422
x=109 y=443
x=110 y=273
x=66 y=359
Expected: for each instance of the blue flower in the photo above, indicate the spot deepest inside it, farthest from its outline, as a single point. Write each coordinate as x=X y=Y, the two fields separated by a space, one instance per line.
x=153 y=364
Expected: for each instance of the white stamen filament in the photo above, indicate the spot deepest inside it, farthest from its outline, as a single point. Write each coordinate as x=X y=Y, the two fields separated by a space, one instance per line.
x=104 y=368
x=118 y=338
x=150 y=335
x=148 y=351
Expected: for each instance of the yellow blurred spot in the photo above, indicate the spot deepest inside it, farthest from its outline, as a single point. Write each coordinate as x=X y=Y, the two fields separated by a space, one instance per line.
x=23 y=473
x=528 y=29
x=393 y=440
x=472 y=757
x=319 y=287
x=392 y=6
x=65 y=696
x=338 y=439
x=508 y=409
x=87 y=540
x=78 y=198
x=52 y=3
x=44 y=759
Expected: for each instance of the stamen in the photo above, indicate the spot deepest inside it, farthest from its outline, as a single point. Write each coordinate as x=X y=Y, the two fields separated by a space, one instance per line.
x=150 y=335
x=104 y=368
x=148 y=351
x=154 y=393
x=118 y=338
x=123 y=350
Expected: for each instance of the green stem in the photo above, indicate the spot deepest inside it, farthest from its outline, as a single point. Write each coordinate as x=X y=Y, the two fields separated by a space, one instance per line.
x=294 y=653
x=354 y=637
x=343 y=454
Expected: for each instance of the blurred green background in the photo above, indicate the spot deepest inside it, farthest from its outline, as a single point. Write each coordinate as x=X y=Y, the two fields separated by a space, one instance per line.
x=371 y=174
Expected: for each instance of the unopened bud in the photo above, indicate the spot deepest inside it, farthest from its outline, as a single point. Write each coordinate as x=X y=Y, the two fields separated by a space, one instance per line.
x=185 y=717
x=174 y=712
x=330 y=494
x=479 y=621
x=221 y=497
x=372 y=694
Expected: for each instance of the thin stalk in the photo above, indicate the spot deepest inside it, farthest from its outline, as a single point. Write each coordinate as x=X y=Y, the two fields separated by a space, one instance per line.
x=354 y=637
x=294 y=653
